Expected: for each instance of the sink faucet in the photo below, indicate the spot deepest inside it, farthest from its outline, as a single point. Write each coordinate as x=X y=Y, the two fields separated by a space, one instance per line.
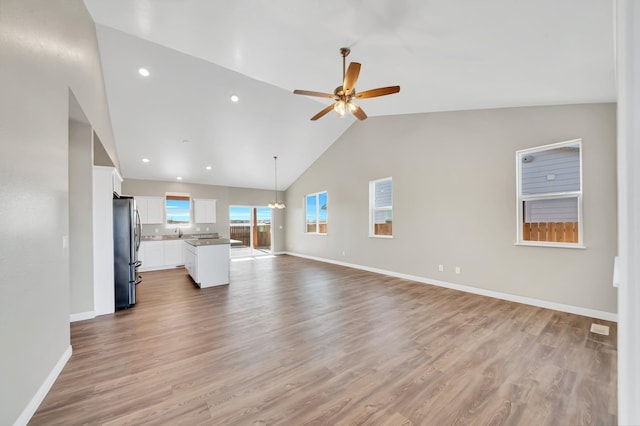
x=179 y=230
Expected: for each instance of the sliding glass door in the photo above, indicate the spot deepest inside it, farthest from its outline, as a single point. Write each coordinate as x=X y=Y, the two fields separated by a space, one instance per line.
x=250 y=231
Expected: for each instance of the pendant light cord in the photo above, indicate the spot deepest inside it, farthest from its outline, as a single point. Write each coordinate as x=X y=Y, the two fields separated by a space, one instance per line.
x=275 y=189
x=275 y=168
x=277 y=204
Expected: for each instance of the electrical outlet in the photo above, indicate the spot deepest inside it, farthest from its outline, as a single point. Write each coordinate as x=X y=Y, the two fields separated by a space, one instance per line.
x=156 y=230
x=197 y=229
x=441 y=268
x=458 y=270
x=65 y=241
x=206 y=229
x=344 y=253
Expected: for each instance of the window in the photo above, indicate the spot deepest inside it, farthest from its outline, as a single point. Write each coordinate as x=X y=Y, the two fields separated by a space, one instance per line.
x=549 y=195
x=316 y=213
x=178 y=208
x=381 y=207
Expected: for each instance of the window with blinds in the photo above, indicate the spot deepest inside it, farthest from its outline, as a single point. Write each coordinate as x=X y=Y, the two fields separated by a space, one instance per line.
x=178 y=209
x=549 y=190
x=381 y=208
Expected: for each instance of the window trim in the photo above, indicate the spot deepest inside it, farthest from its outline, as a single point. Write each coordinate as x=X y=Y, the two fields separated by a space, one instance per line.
x=191 y=212
x=520 y=198
x=373 y=209
x=318 y=208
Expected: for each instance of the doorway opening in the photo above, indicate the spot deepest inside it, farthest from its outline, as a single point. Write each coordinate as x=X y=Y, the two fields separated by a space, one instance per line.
x=250 y=231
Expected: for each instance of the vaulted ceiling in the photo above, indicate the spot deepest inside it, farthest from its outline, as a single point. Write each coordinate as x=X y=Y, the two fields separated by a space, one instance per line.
x=445 y=54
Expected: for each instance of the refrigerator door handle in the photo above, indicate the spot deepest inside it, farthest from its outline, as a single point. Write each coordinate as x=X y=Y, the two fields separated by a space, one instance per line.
x=138 y=280
x=137 y=264
x=138 y=230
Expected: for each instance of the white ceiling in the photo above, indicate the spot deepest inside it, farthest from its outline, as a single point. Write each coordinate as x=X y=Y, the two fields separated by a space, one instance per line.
x=445 y=54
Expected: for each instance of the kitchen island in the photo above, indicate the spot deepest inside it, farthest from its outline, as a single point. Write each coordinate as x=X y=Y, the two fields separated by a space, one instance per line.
x=207 y=261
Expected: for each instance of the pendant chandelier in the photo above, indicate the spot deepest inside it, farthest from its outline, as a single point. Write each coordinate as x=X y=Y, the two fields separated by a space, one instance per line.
x=276 y=204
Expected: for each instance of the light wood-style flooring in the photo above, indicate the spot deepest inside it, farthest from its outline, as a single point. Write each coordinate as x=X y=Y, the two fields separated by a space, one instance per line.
x=292 y=341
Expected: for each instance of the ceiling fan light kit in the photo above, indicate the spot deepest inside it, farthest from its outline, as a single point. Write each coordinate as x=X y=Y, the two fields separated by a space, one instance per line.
x=344 y=95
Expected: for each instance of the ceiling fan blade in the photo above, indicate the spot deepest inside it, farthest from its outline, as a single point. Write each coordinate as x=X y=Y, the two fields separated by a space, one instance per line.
x=322 y=113
x=351 y=77
x=311 y=93
x=358 y=112
x=380 y=91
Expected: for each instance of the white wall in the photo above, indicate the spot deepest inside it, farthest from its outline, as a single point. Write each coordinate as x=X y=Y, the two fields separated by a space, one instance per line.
x=80 y=217
x=454 y=201
x=628 y=64
x=225 y=196
x=46 y=49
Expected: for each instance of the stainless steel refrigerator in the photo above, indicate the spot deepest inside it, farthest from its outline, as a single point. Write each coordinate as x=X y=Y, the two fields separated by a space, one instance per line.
x=126 y=242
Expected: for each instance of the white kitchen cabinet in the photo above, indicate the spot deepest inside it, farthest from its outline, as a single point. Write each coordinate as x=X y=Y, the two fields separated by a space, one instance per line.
x=150 y=209
x=160 y=254
x=116 y=182
x=151 y=254
x=204 y=210
x=155 y=210
x=189 y=253
x=173 y=253
x=141 y=251
x=207 y=264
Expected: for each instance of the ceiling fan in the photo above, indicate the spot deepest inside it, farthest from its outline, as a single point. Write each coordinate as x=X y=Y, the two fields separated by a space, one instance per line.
x=344 y=95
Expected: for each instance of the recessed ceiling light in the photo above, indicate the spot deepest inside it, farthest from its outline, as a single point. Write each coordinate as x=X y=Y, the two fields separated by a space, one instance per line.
x=208 y=167
x=185 y=141
x=234 y=98
x=145 y=160
x=179 y=178
x=143 y=72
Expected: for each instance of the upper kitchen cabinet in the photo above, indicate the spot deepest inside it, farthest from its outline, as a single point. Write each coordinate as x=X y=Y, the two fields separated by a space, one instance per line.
x=150 y=209
x=204 y=210
x=116 y=182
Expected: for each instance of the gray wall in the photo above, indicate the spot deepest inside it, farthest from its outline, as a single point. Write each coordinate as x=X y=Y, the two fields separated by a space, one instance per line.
x=224 y=196
x=454 y=200
x=46 y=49
x=100 y=155
x=81 y=217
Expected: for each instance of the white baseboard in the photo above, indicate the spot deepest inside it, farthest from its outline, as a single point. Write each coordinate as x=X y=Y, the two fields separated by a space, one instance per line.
x=159 y=268
x=578 y=310
x=81 y=316
x=37 y=399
